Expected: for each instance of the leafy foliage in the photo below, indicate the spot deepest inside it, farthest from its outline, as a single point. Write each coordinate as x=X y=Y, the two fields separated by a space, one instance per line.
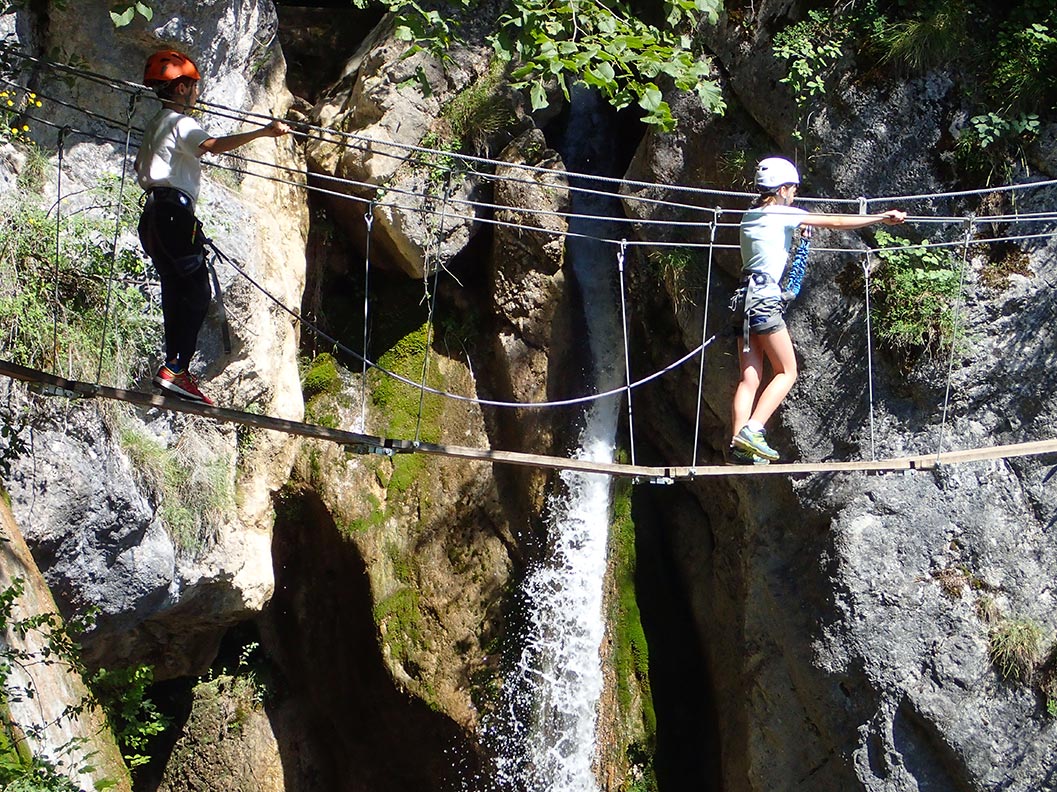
x=132 y=716
x=914 y=294
x=122 y=14
x=603 y=45
x=812 y=48
x=1004 y=54
x=20 y=770
x=608 y=48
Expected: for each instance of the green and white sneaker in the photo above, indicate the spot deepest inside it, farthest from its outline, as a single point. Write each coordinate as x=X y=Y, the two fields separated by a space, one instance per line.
x=736 y=456
x=755 y=443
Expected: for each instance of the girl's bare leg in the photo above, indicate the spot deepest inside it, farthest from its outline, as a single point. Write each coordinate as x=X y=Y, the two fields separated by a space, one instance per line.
x=778 y=348
x=751 y=376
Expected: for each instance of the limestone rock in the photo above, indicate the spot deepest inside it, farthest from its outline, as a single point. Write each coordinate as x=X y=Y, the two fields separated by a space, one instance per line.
x=226 y=743
x=43 y=685
x=846 y=611
x=95 y=514
x=389 y=104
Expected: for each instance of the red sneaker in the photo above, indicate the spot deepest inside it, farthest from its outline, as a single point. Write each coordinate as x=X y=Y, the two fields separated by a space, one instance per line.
x=182 y=384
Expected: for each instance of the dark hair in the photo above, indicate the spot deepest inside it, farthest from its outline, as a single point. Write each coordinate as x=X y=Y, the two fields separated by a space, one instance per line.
x=166 y=91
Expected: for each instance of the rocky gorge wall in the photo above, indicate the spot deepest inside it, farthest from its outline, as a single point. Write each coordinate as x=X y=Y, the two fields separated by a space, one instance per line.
x=823 y=632
x=849 y=622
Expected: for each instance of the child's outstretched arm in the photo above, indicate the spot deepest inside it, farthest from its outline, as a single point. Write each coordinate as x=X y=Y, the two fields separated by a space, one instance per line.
x=222 y=145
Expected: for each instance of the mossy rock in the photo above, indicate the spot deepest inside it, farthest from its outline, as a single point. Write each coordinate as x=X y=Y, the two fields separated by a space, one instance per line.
x=321 y=376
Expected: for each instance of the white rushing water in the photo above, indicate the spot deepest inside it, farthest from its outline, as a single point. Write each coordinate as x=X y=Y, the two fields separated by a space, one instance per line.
x=551 y=698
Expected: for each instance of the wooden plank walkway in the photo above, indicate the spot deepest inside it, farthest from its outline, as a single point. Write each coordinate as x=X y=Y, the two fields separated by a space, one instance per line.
x=50 y=384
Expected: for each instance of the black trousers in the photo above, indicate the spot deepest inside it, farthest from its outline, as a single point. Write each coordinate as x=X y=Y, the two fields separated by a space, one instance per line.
x=172 y=237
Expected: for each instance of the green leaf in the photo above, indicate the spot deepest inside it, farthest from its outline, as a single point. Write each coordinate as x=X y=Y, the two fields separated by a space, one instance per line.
x=538 y=96
x=651 y=99
x=145 y=11
x=124 y=18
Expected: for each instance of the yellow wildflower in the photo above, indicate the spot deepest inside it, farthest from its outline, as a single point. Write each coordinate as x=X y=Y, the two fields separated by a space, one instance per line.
x=25 y=127
x=39 y=103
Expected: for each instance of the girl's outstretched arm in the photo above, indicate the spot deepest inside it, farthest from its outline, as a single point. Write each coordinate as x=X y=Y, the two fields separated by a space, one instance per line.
x=850 y=222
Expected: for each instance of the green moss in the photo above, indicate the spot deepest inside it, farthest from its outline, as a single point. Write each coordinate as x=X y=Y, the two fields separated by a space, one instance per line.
x=631 y=650
x=407 y=468
x=399 y=614
x=402 y=567
x=399 y=401
x=363 y=524
x=321 y=375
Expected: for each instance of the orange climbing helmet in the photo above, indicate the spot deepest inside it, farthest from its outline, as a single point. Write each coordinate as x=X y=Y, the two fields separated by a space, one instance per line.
x=168 y=65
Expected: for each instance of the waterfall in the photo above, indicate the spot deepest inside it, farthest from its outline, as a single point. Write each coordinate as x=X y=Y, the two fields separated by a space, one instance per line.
x=551 y=697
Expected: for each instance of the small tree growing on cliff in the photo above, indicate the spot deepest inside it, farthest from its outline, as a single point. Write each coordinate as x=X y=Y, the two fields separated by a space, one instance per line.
x=606 y=46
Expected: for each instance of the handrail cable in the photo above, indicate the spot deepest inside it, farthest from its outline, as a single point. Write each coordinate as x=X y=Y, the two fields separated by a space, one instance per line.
x=126 y=85
x=368 y=219
x=58 y=255
x=430 y=296
x=315 y=329
x=1041 y=217
x=866 y=267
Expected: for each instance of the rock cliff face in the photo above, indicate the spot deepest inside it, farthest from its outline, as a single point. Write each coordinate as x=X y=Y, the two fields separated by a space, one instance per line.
x=849 y=623
x=830 y=632
x=91 y=494
x=40 y=683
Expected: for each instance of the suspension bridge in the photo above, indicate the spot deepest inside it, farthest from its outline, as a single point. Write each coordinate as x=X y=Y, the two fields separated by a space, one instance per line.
x=711 y=220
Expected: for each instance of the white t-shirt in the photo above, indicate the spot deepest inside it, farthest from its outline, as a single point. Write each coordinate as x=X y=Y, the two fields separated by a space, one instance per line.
x=168 y=156
x=766 y=239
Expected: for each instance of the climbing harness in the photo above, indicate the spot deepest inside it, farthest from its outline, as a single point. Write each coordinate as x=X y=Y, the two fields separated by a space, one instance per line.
x=757 y=312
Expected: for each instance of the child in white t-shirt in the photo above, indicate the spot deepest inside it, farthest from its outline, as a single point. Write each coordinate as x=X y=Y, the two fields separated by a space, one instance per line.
x=169 y=171
x=767 y=230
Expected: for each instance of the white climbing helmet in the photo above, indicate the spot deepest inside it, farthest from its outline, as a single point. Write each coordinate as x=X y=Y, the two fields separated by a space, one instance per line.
x=775 y=172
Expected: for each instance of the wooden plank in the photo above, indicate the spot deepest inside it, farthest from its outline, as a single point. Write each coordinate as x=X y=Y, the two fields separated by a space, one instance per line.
x=73 y=388
x=55 y=385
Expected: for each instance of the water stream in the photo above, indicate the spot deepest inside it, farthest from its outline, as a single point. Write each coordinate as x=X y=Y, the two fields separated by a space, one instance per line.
x=552 y=696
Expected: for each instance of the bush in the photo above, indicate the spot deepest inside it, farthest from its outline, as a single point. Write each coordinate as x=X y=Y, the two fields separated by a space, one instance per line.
x=913 y=295
x=133 y=717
